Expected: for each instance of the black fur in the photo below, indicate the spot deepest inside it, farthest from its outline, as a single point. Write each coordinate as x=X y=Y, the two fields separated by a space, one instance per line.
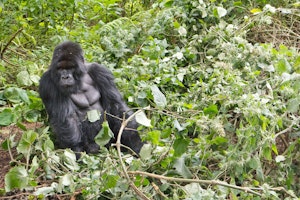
x=70 y=88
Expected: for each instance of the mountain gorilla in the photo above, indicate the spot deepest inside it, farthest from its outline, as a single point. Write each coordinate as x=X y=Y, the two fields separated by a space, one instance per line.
x=70 y=89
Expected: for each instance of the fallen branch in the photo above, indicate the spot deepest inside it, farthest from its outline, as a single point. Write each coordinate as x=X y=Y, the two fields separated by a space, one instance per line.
x=8 y=43
x=208 y=182
x=118 y=145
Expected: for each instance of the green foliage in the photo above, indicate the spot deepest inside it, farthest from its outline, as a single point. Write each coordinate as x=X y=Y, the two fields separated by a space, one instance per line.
x=222 y=106
x=104 y=135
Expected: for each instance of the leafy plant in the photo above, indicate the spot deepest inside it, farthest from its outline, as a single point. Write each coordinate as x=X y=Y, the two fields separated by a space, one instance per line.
x=220 y=107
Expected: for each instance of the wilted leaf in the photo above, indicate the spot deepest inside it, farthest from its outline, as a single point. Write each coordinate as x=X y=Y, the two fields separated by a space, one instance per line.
x=159 y=98
x=178 y=126
x=221 y=12
x=182 y=31
x=142 y=119
x=279 y=158
x=181 y=168
x=70 y=160
x=178 y=55
x=66 y=180
x=44 y=191
x=93 y=115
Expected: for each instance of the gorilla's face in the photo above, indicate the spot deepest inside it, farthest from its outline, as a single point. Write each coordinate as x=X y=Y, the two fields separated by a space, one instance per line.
x=67 y=67
x=65 y=72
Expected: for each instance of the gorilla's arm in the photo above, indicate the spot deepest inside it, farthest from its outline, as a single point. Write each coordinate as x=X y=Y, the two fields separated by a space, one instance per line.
x=112 y=102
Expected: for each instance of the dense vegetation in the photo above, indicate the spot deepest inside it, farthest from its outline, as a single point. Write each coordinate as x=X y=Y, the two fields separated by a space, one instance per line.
x=218 y=80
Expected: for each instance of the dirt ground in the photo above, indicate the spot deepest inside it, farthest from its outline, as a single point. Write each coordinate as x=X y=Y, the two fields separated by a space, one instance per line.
x=4 y=164
x=5 y=158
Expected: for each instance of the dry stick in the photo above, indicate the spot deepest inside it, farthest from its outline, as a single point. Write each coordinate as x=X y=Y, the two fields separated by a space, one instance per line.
x=10 y=40
x=210 y=182
x=118 y=145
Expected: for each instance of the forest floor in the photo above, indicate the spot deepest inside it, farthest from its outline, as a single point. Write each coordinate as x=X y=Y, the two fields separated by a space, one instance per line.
x=5 y=158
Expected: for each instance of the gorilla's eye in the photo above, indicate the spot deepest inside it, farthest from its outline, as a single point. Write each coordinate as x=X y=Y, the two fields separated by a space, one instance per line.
x=65 y=65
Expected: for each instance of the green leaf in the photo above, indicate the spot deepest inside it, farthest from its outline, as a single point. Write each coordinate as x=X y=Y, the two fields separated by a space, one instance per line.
x=181 y=168
x=142 y=119
x=109 y=181
x=267 y=153
x=211 y=110
x=7 y=117
x=293 y=105
x=48 y=145
x=256 y=10
x=23 y=78
x=9 y=142
x=283 y=66
x=180 y=146
x=32 y=116
x=17 y=177
x=16 y=95
x=146 y=151
x=154 y=136
x=104 y=135
x=159 y=98
x=34 y=166
x=254 y=163
x=93 y=115
x=141 y=180
x=26 y=142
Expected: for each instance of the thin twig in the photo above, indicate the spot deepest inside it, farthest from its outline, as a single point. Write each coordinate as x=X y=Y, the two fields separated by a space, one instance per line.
x=8 y=43
x=118 y=145
x=285 y=130
x=210 y=182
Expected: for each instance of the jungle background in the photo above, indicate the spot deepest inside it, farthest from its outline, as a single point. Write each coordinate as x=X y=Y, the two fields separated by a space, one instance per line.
x=215 y=84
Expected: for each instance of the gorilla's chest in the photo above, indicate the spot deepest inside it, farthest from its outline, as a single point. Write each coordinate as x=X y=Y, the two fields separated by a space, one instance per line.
x=87 y=97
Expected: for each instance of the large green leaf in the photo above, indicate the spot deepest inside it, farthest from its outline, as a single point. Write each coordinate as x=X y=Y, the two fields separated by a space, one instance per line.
x=7 y=117
x=17 y=177
x=16 y=95
x=26 y=142
x=180 y=146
